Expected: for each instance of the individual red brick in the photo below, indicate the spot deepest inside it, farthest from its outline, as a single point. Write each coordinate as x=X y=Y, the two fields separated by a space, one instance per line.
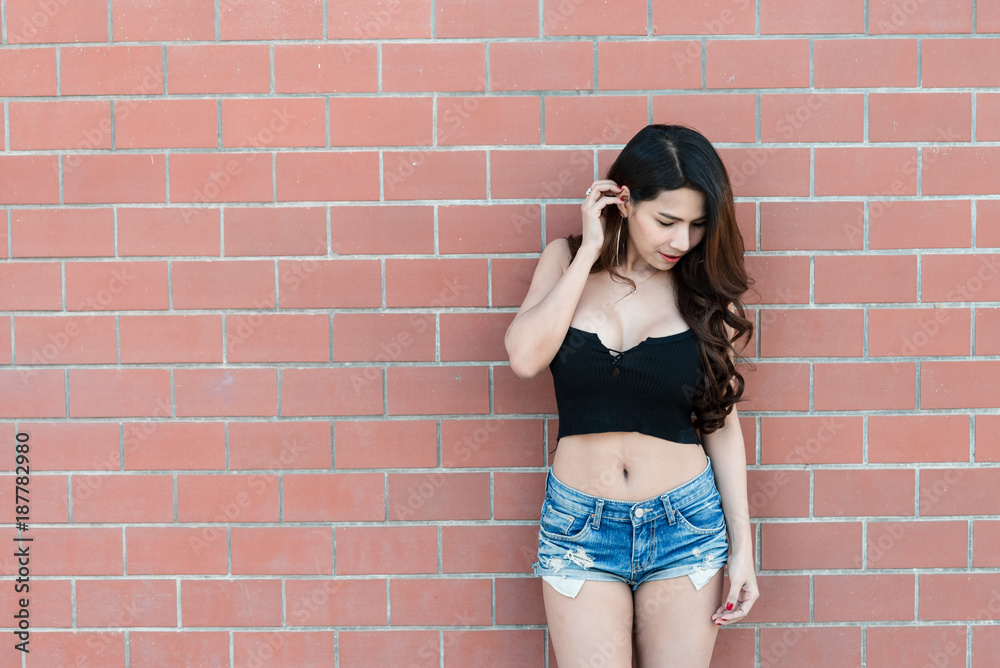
x=382 y=121
x=515 y=395
x=473 y=336
x=216 y=69
x=987 y=116
x=487 y=229
x=846 y=63
x=278 y=337
x=757 y=63
x=441 y=601
x=336 y=497
x=770 y=171
x=513 y=66
x=47 y=498
x=912 y=646
x=126 y=603
x=383 y=337
x=435 y=282
x=433 y=67
x=175 y=551
x=163 y=21
x=147 y=649
x=499 y=647
x=270 y=19
x=865 y=278
x=472 y=18
x=326 y=68
x=811 y=440
x=594 y=119
x=321 y=177
x=712 y=17
x=382 y=19
x=987 y=438
x=230 y=284
x=150 y=499
x=336 y=602
x=111 y=70
x=76 y=446
x=50 y=605
x=434 y=390
x=65 y=340
x=816 y=117
x=226 y=498
x=849 y=492
x=510 y=279
x=987 y=332
x=721 y=118
x=220 y=177
x=821 y=647
x=31 y=286
x=229 y=391
x=778 y=493
x=536 y=174
x=114 y=178
x=386 y=549
x=281 y=550
x=916 y=224
x=898 y=117
x=866 y=171
x=275 y=231
x=519 y=601
x=894 y=332
x=960 y=277
x=118 y=392
x=168 y=231
x=918 y=438
x=985 y=539
x=104 y=648
x=166 y=339
x=734 y=647
x=77 y=552
x=435 y=175
x=382 y=230
x=960 y=62
x=959 y=596
x=329 y=283
x=438 y=496
x=493 y=549
x=864 y=386
x=777 y=386
x=105 y=286
x=779 y=279
x=324 y=391
x=29 y=179
x=812 y=225
x=34 y=22
x=517 y=496
x=878 y=597
x=960 y=170
x=81 y=125
x=166 y=124
x=639 y=65
x=62 y=232
x=921 y=544
x=279 y=445
x=169 y=446
x=385 y=444
x=779 y=17
x=266 y=122
x=25 y=72
x=934 y=16
x=812 y=333
x=592 y=17
x=222 y=603
x=793 y=546
x=382 y=648
x=293 y=648
x=958 y=491
x=488 y=120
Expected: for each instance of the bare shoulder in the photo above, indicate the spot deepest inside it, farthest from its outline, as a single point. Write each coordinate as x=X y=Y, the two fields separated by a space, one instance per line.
x=551 y=266
x=557 y=254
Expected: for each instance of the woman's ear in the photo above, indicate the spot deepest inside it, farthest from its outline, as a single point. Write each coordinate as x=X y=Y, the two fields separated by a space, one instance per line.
x=625 y=207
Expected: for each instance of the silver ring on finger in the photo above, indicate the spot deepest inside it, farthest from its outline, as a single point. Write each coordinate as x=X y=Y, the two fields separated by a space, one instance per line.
x=588 y=190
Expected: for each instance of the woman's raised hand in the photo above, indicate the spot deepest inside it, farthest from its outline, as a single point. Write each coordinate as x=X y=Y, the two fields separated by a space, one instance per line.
x=593 y=213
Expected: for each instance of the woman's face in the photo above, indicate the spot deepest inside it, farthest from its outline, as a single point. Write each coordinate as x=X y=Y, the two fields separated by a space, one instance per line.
x=664 y=229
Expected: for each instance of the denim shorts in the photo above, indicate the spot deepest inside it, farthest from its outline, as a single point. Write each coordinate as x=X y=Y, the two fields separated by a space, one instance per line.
x=583 y=537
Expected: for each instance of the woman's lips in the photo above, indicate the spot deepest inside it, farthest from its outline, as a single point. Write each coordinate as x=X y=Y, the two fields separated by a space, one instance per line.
x=670 y=258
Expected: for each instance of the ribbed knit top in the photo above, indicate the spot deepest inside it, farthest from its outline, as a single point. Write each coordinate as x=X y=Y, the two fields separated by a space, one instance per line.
x=645 y=389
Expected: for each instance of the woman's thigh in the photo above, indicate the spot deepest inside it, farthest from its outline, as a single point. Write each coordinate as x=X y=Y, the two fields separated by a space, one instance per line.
x=673 y=622
x=592 y=629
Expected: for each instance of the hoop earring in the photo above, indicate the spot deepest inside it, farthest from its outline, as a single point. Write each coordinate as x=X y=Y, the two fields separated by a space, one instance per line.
x=618 y=239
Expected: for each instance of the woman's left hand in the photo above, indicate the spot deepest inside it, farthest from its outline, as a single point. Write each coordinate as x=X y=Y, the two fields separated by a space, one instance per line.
x=742 y=590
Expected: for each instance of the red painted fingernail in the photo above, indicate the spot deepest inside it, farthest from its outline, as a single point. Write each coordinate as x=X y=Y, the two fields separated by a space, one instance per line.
x=718 y=623
x=729 y=606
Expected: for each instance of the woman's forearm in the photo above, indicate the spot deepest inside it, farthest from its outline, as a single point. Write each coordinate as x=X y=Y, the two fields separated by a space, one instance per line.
x=726 y=448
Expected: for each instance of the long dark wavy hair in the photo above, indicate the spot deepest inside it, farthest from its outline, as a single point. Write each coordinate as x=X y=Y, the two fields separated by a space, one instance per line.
x=710 y=277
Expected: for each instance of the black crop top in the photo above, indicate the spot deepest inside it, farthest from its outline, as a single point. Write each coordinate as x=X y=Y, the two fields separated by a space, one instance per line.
x=645 y=389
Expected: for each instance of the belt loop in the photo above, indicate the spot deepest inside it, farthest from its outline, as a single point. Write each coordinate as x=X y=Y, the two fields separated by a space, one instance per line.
x=599 y=507
x=668 y=508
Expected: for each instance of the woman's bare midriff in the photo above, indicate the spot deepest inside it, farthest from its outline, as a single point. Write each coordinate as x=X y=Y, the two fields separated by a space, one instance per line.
x=626 y=466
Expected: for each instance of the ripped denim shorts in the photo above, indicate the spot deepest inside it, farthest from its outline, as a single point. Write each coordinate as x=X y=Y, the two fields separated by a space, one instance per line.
x=583 y=537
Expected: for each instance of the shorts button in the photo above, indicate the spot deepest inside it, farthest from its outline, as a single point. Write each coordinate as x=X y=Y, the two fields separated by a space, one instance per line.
x=639 y=512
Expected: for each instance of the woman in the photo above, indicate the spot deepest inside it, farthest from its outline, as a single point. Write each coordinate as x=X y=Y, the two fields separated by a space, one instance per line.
x=637 y=318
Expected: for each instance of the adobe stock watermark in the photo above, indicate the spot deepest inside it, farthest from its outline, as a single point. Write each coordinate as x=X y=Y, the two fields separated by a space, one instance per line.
x=40 y=19
x=900 y=15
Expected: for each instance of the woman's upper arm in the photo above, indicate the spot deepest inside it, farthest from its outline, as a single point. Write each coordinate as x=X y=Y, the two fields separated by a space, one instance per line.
x=551 y=265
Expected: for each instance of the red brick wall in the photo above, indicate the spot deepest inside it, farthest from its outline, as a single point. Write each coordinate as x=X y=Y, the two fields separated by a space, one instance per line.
x=259 y=256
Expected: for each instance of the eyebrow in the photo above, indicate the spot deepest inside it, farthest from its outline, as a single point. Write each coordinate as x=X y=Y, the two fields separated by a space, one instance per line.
x=680 y=220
